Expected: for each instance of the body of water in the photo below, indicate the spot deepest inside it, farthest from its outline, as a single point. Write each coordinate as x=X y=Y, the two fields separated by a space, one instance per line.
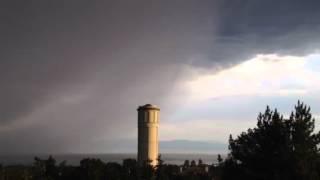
x=74 y=159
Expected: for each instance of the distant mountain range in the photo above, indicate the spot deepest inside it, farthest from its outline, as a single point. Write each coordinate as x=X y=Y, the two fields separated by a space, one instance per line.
x=179 y=146
x=191 y=146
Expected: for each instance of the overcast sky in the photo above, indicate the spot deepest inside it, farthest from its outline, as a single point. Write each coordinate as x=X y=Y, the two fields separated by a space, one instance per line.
x=72 y=73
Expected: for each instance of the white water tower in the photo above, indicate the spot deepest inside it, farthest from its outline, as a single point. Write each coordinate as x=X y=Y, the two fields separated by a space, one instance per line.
x=148 y=124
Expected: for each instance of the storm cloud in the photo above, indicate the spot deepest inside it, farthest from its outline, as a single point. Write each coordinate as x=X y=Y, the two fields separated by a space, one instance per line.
x=72 y=73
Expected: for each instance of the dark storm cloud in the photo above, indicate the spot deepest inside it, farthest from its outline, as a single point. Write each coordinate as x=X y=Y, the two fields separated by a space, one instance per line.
x=73 y=72
x=290 y=25
x=248 y=27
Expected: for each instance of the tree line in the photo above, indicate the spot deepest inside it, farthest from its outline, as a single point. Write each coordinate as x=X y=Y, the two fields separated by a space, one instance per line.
x=277 y=148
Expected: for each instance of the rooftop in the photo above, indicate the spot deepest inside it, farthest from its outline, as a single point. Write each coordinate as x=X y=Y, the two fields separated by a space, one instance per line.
x=148 y=106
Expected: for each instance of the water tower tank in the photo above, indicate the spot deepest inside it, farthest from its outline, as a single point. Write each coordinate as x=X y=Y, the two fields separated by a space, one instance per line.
x=148 y=124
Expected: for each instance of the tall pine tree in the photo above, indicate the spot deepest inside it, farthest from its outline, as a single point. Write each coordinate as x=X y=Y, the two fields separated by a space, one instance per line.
x=278 y=148
x=304 y=143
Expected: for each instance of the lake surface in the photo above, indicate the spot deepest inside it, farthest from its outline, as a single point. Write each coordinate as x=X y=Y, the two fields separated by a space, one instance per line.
x=74 y=159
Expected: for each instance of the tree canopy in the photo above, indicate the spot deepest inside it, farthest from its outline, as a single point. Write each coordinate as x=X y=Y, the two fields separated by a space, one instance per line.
x=278 y=148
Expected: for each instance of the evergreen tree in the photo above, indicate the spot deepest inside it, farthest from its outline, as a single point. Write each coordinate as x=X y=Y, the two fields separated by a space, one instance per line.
x=278 y=148
x=130 y=169
x=304 y=143
x=193 y=163
x=93 y=169
x=186 y=164
x=146 y=171
x=160 y=169
x=200 y=163
x=219 y=158
x=45 y=169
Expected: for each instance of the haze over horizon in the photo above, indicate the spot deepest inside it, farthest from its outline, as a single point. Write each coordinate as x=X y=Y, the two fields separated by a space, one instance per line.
x=73 y=73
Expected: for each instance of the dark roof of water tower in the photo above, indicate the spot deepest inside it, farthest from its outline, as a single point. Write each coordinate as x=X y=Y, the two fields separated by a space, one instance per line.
x=148 y=107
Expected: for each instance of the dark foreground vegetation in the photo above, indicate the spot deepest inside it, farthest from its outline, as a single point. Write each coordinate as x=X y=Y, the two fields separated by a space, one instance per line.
x=277 y=149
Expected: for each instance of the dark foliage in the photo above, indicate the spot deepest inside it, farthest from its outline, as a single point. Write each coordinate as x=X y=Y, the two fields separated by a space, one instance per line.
x=276 y=149
x=95 y=169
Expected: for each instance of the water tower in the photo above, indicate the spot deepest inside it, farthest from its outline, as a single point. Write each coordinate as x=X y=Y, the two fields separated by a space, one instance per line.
x=148 y=124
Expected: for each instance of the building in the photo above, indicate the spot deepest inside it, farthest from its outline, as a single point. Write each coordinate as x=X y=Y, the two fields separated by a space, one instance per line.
x=148 y=124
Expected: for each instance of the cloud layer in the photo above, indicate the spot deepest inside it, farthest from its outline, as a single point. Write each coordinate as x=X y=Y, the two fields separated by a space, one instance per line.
x=227 y=102
x=72 y=73
x=263 y=75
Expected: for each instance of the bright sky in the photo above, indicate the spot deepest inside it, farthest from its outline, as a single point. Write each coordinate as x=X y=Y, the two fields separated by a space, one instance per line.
x=220 y=103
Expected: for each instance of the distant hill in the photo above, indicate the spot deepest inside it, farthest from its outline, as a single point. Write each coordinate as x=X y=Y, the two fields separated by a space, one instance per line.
x=191 y=146
x=173 y=146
